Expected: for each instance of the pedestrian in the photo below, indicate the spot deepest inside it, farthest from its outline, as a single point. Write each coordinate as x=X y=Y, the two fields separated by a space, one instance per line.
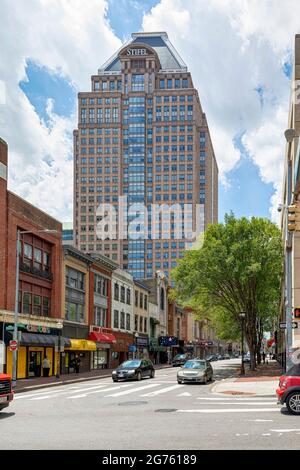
x=77 y=363
x=264 y=357
x=46 y=367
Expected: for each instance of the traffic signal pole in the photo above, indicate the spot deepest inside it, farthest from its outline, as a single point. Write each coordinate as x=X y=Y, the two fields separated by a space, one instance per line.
x=288 y=271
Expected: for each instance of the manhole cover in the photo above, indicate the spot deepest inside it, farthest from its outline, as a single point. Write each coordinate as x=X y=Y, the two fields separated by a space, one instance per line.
x=133 y=403
x=166 y=410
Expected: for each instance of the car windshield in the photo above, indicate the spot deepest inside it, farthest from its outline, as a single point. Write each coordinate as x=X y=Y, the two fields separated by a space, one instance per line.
x=180 y=356
x=132 y=364
x=194 y=365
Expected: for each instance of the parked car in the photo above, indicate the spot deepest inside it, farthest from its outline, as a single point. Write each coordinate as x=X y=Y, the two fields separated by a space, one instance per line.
x=6 y=391
x=180 y=359
x=247 y=357
x=134 y=369
x=227 y=356
x=221 y=357
x=288 y=391
x=212 y=358
x=195 y=371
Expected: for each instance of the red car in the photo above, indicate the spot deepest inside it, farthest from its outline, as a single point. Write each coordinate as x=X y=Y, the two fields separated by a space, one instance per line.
x=6 y=392
x=288 y=391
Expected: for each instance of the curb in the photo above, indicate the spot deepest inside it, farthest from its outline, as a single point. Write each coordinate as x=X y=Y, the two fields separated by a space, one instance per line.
x=31 y=388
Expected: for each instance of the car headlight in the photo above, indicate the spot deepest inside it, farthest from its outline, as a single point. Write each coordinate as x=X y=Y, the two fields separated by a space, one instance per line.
x=114 y=372
x=132 y=371
x=180 y=372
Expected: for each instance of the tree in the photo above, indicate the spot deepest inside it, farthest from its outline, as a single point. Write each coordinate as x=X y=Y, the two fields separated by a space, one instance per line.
x=238 y=268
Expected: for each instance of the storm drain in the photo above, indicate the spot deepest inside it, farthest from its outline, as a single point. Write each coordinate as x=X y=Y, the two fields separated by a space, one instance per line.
x=166 y=410
x=133 y=403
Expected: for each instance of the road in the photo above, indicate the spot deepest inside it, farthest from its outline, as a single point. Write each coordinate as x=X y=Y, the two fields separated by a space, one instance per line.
x=151 y=414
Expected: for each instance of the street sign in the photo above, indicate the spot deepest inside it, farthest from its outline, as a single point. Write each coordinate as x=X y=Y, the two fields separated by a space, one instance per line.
x=282 y=325
x=13 y=345
x=132 y=348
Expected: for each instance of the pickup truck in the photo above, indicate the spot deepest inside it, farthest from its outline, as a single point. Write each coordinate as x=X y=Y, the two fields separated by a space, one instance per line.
x=6 y=392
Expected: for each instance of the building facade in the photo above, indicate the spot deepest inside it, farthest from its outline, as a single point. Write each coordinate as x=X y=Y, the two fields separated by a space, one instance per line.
x=141 y=319
x=290 y=298
x=122 y=320
x=145 y=174
x=39 y=296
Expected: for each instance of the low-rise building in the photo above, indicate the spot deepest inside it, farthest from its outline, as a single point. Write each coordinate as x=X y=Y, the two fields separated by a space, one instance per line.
x=141 y=318
x=39 y=287
x=122 y=319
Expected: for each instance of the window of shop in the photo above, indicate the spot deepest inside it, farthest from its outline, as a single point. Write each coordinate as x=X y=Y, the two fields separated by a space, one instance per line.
x=116 y=291
x=122 y=326
x=100 y=285
x=128 y=297
x=100 y=359
x=74 y=312
x=128 y=321
x=116 y=319
x=100 y=315
x=35 y=304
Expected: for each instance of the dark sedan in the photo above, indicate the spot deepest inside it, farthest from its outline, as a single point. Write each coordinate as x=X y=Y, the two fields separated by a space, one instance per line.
x=180 y=359
x=134 y=369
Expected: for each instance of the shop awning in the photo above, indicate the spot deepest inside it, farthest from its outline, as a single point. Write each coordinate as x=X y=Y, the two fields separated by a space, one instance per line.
x=82 y=345
x=32 y=339
x=102 y=337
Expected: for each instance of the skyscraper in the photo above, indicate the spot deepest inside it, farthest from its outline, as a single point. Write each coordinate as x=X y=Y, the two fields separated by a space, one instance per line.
x=145 y=174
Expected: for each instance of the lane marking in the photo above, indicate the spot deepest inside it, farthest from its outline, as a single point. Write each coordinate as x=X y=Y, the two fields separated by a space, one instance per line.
x=60 y=392
x=285 y=430
x=163 y=390
x=233 y=398
x=133 y=390
x=228 y=410
x=83 y=395
x=244 y=403
x=67 y=392
x=261 y=420
x=185 y=394
x=29 y=395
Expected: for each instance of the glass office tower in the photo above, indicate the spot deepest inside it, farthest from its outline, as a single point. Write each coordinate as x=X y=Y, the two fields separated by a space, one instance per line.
x=145 y=174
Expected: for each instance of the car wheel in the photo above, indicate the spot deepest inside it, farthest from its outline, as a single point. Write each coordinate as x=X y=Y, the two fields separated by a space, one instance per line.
x=115 y=380
x=139 y=376
x=152 y=374
x=179 y=381
x=293 y=403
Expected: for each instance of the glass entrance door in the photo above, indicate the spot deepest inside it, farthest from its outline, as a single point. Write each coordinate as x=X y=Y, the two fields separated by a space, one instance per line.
x=35 y=364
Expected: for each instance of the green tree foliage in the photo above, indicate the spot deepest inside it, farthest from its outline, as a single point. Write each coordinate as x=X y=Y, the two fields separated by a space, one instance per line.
x=237 y=269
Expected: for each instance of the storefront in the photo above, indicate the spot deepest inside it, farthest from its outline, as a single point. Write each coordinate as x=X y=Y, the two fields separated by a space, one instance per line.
x=155 y=350
x=142 y=345
x=33 y=348
x=101 y=358
x=120 y=349
x=78 y=349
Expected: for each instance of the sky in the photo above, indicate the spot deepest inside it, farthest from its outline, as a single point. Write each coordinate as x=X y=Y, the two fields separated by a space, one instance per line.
x=239 y=52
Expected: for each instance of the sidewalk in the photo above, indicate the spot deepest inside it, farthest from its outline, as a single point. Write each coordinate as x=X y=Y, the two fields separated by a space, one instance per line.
x=26 y=385
x=261 y=382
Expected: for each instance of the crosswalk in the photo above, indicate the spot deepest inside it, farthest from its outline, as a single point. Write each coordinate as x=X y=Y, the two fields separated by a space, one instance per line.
x=186 y=399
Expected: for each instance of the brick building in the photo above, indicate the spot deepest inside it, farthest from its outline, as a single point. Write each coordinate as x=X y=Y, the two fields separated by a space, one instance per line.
x=39 y=301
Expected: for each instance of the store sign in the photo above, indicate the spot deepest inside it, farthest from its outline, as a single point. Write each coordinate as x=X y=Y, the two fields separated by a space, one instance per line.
x=37 y=329
x=137 y=52
x=168 y=341
x=142 y=341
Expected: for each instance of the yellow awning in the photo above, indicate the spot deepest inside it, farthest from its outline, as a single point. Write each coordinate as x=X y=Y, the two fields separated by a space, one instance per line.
x=82 y=345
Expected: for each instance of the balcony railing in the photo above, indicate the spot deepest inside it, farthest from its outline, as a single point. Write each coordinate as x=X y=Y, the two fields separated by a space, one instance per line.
x=25 y=268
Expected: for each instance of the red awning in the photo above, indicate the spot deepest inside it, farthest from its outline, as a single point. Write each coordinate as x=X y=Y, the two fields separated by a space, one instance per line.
x=102 y=337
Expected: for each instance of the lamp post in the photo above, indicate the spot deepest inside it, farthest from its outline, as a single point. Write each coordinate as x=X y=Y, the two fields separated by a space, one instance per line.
x=16 y=316
x=135 y=342
x=59 y=325
x=242 y=316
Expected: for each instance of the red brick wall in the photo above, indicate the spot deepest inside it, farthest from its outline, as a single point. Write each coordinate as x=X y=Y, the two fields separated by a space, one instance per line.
x=3 y=227
x=16 y=213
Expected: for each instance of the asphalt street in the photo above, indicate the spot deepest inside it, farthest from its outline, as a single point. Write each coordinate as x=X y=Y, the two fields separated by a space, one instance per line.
x=154 y=414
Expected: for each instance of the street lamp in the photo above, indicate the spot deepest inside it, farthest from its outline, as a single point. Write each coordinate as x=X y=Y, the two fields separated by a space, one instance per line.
x=242 y=316
x=60 y=326
x=16 y=316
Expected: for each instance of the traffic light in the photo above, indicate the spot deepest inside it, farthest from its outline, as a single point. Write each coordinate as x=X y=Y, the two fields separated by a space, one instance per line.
x=297 y=313
x=293 y=218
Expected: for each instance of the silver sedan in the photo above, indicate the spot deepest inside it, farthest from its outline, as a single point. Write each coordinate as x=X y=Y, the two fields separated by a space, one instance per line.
x=195 y=371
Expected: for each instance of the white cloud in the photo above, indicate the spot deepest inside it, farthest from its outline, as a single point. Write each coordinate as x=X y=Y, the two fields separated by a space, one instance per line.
x=71 y=38
x=232 y=47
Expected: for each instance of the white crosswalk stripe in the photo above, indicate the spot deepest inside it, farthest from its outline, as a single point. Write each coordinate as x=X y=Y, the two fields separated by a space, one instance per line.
x=127 y=392
x=230 y=410
x=83 y=395
x=163 y=390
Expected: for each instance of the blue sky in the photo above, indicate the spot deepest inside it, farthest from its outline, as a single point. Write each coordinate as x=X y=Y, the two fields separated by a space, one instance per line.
x=245 y=193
